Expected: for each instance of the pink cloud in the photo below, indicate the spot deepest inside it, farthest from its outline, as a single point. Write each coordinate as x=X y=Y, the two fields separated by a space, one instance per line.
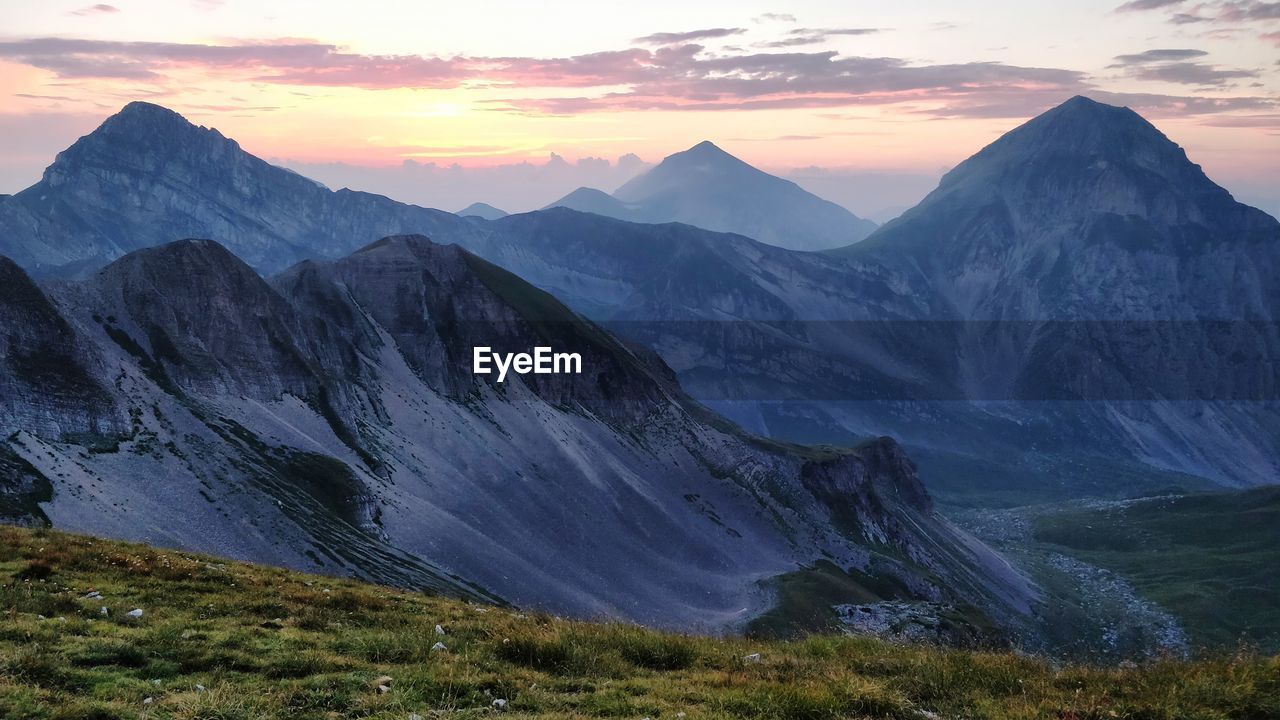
x=99 y=9
x=671 y=77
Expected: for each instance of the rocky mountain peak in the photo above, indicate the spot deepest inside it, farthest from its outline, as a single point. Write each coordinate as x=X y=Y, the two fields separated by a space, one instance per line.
x=1080 y=143
x=184 y=266
x=705 y=150
x=710 y=188
x=482 y=210
x=144 y=116
x=438 y=302
x=689 y=166
x=207 y=319
x=139 y=136
x=1080 y=174
x=45 y=369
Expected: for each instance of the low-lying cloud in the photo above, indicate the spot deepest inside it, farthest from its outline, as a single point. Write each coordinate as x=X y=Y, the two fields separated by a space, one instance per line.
x=1178 y=65
x=673 y=38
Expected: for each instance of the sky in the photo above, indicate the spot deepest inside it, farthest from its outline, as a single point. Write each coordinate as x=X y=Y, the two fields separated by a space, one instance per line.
x=517 y=102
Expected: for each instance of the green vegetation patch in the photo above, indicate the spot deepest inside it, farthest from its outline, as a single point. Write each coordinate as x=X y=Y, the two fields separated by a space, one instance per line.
x=1209 y=559
x=227 y=640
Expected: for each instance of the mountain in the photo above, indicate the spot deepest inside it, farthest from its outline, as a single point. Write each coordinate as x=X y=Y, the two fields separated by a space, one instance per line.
x=598 y=202
x=147 y=176
x=1085 y=211
x=482 y=210
x=829 y=347
x=329 y=419
x=1128 y=356
x=707 y=187
x=1084 y=251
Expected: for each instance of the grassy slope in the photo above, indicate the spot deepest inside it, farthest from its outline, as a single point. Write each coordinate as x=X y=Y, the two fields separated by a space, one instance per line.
x=268 y=643
x=1209 y=559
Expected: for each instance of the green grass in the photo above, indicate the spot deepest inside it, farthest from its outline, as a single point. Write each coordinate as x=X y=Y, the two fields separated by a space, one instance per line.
x=805 y=597
x=1018 y=479
x=1209 y=559
x=804 y=600
x=269 y=643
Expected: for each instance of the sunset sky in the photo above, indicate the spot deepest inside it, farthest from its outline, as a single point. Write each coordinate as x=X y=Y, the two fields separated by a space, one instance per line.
x=904 y=87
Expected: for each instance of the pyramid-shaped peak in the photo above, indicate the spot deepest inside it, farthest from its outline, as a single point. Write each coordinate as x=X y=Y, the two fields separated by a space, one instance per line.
x=412 y=242
x=703 y=151
x=1080 y=131
x=186 y=258
x=1082 y=103
x=147 y=120
x=706 y=146
x=1085 y=124
x=139 y=109
x=703 y=157
x=139 y=130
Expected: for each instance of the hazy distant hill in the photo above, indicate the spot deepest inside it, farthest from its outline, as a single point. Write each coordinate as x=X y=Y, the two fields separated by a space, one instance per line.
x=708 y=187
x=482 y=210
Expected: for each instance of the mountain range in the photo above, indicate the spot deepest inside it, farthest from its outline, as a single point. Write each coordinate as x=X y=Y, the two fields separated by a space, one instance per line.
x=1081 y=257
x=328 y=418
x=869 y=332
x=707 y=187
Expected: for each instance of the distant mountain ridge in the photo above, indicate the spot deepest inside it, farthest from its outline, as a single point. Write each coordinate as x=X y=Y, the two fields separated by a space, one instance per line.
x=707 y=187
x=482 y=210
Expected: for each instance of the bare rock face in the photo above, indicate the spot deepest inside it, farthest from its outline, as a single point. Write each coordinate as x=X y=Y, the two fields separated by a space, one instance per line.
x=50 y=380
